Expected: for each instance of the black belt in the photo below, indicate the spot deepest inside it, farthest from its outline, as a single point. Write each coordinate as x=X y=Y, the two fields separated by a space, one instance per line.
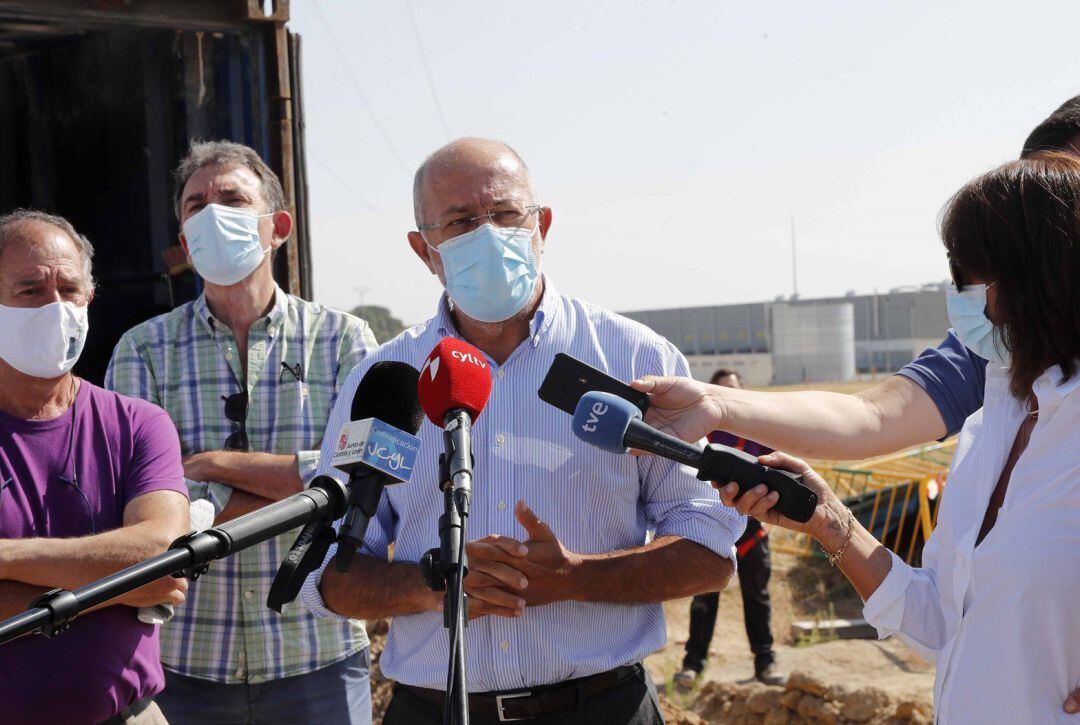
x=135 y=708
x=543 y=700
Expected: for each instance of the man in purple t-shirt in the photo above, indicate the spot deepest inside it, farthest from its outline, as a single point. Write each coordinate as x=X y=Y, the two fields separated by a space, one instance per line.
x=90 y=482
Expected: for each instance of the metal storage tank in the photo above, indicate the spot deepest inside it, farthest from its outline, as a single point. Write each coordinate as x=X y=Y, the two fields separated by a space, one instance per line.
x=813 y=342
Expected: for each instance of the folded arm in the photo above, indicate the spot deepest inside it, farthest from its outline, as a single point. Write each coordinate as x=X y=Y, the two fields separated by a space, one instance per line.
x=15 y=597
x=270 y=476
x=151 y=522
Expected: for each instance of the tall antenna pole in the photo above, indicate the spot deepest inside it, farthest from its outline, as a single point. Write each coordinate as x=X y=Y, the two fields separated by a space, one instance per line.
x=794 y=262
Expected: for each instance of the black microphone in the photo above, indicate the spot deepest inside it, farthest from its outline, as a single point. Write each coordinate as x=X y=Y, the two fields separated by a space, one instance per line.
x=613 y=424
x=378 y=447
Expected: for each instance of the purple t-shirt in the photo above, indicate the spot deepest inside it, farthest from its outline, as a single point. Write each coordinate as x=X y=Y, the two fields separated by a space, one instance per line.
x=123 y=448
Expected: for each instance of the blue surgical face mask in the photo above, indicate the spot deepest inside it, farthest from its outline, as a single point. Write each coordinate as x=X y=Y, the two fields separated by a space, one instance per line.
x=490 y=272
x=967 y=314
x=224 y=243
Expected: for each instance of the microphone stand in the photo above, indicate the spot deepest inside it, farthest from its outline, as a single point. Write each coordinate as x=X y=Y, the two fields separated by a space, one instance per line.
x=189 y=556
x=444 y=569
x=309 y=550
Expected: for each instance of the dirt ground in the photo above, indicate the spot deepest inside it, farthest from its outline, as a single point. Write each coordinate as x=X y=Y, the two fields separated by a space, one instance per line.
x=835 y=681
x=858 y=670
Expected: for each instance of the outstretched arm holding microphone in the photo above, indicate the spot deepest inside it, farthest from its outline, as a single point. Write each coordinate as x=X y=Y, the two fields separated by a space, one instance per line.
x=892 y=415
x=1000 y=564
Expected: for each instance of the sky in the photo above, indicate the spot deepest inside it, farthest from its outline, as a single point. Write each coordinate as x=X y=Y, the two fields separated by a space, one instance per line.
x=674 y=141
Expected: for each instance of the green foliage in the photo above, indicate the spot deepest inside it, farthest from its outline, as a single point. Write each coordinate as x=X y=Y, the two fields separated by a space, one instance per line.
x=383 y=324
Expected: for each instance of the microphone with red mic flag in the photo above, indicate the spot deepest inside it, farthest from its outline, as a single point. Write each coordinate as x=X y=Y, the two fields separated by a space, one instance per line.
x=454 y=386
x=455 y=376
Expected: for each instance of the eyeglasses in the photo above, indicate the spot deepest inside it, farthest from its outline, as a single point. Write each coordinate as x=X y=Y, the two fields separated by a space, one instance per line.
x=453 y=225
x=236 y=410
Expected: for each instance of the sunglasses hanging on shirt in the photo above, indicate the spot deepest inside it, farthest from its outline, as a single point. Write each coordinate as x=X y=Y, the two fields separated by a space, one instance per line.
x=236 y=410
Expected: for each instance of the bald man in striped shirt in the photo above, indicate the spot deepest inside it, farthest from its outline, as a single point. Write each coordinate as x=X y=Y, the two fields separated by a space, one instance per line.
x=577 y=549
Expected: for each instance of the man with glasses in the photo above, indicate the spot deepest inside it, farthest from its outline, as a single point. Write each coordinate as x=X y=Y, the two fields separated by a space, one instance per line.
x=90 y=483
x=565 y=586
x=248 y=375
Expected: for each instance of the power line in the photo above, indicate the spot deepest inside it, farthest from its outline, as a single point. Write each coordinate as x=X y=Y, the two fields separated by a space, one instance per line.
x=360 y=91
x=345 y=186
x=427 y=69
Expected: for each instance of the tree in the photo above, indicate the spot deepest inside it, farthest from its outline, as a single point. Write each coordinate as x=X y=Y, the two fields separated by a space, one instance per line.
x=383 y=324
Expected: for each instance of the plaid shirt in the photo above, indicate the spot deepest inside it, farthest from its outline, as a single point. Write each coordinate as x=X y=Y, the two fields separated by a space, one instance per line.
x=185 y=361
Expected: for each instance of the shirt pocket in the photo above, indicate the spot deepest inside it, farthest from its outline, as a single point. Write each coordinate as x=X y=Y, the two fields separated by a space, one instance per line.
x=292 y=424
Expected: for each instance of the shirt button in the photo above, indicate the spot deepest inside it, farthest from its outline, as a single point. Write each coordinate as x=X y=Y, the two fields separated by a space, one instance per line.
x=249 y=594
x=500 y=439
x=501 y=373
x=505 y=646
x=502 y=505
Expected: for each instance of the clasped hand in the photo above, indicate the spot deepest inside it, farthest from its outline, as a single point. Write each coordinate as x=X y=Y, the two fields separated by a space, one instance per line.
x=507 y=574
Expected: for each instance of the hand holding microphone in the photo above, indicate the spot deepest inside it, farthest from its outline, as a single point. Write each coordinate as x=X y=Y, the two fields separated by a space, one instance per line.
x=826 y=525
x=681 y=407
x=614 y=424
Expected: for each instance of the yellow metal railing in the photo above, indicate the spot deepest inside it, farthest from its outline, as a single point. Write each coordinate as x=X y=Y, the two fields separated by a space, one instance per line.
x=896 y=497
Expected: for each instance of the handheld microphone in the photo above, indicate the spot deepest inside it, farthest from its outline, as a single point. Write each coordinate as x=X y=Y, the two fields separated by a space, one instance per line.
x=377 y=448
x=454 y=387
x=615 y=425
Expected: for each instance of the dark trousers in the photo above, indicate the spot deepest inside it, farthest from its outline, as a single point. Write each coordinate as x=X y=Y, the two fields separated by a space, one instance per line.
x=754 y=571
x=632 y=702
x=339 y=693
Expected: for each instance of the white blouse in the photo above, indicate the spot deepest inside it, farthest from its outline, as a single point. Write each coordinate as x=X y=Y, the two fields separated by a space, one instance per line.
x=1001 y=620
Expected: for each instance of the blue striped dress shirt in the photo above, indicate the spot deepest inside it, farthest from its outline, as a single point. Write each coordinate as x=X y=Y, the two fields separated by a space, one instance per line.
x=594 y=502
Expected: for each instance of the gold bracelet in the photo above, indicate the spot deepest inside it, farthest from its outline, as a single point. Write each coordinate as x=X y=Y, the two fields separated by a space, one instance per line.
x=834 y=558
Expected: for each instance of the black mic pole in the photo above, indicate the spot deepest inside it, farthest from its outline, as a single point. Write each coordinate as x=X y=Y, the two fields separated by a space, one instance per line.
x=365 y=491
x=190 y=556
x=445 y=568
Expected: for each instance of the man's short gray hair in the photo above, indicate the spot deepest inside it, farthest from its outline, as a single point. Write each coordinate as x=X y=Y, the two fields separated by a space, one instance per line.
x=226 y=153
x=448 y=154
x=11 y=223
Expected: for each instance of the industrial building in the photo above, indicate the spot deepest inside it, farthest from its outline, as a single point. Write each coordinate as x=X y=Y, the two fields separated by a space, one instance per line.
x=792 y=340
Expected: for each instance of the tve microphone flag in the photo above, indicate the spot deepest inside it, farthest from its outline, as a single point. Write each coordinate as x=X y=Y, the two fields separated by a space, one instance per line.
x=615 y=425
x=377 y=448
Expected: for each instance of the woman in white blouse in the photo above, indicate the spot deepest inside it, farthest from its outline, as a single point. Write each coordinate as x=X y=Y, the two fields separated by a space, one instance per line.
x=996 y=603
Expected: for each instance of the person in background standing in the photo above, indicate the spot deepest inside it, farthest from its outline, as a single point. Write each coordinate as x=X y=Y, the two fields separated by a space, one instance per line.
x=754 y=570
x=248 y=375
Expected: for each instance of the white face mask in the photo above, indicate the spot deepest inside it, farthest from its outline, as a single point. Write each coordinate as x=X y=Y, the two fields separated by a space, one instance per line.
x=43 y=342
x=967 y=315
x=224 y=243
